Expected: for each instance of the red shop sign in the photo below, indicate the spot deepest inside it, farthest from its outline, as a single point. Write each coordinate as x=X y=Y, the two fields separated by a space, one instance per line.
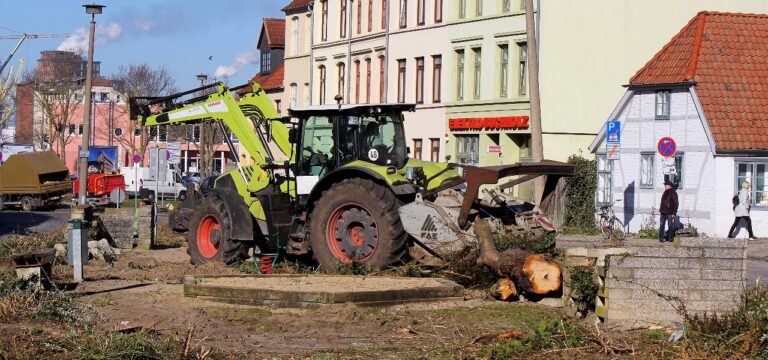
x=506 y=122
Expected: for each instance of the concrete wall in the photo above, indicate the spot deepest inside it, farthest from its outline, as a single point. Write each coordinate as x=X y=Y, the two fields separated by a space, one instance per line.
x=589 y=48
x=652 y=284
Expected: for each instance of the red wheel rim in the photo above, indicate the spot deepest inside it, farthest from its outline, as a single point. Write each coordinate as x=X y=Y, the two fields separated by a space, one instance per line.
x=351 y=233
x=208 y=237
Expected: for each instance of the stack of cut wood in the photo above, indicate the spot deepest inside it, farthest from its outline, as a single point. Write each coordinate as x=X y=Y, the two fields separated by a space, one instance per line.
x=520 y=271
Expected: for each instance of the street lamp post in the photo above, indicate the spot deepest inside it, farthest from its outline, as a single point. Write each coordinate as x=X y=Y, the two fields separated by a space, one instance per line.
x=93 y=10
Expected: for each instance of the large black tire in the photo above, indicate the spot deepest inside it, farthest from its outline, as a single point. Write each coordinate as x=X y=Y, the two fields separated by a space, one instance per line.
x=182 y=196
x=209 y=236
x=26 y=204
x=356 y=220
x=2 y=203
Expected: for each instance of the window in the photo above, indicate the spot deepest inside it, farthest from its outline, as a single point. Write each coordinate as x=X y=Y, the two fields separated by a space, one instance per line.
x=417 y=149
x=420 y=17
x=754 y=172
x=370 y=15
x=438 y=11
x=307 y=94
x=662 y=105
x=80 y=129
x=401 y=80
x=383 y=14
x=324 y=21
x=434 y=150
x=343 y=19
x=478 y=7
x=357 y=81
x=71 y=129
x=462 y=9
x=294 y=95
x=437 y=70
x=522 y=76
x=382 y=94
x=460 y=75
x=158 y=133
x=503 y=70
x=136 y=132
x=506 y=5
x=420 y=80
x=467 y=149
x=604 y=179
x=266 y=59
x=646 y=170
x=322 y=85
x=368 y=81
x=677 y=178
x=522 y=4
x=104 y=97
x=340 y=89
x=118 y=132
x=403 y=13
x=359 y=16
x=477 y=74
x=277 y=106
x=295 y=39
x=196 y=131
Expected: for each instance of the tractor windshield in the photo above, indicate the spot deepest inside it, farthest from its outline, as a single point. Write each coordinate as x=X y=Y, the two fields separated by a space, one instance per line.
x=381 y=140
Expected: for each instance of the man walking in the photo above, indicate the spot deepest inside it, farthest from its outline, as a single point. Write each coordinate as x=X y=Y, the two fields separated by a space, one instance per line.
x=668 y=210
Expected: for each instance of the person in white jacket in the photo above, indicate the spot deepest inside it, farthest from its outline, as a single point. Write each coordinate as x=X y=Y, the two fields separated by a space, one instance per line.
x=741 y=211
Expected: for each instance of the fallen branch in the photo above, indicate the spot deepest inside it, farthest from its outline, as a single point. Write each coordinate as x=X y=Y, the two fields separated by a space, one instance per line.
x=484 y=339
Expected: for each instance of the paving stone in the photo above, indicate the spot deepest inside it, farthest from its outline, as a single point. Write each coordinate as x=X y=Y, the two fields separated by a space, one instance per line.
x=711 y=306
x=719 y=295
x=707 y=274
x=713 y=242
x=719 y=264
x=618 y=293
x=644 y=262
x=617 y=272
x=645 y=294
x=669 y=252
x=654 y=284
x=725 y=253
x=681 y=274
x=712 y=284
x=649 y=304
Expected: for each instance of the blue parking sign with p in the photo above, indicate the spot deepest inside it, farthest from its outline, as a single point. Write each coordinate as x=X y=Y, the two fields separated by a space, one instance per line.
x=613 y=133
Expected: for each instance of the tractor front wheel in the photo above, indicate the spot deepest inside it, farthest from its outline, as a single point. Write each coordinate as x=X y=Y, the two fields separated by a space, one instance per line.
x=356 y=221
x=209 y=234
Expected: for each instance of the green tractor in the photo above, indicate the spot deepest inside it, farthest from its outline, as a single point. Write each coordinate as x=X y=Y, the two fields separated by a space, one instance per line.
x=335 y=182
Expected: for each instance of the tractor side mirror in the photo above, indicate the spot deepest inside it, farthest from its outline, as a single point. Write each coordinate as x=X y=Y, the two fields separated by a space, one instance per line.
x=292 y=136
x=269 y=132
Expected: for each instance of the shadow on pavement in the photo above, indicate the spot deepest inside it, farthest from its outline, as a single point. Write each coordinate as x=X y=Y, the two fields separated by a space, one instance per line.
x=22 y=223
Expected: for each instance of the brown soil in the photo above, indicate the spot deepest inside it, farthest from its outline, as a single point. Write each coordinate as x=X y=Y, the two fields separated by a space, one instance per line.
x=328 y=284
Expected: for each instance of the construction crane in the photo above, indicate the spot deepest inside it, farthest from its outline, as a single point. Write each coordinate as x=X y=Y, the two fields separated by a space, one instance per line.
x=21 y=38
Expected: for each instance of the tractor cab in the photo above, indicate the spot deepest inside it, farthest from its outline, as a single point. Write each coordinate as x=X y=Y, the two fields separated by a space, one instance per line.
x=330 y=137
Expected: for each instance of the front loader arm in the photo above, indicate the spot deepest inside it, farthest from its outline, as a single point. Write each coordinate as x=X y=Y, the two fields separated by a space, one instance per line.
x=218 y=106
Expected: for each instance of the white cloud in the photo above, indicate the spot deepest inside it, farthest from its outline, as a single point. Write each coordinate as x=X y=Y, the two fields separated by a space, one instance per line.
x=248 y=57
x=143 y=25
x=78 y=41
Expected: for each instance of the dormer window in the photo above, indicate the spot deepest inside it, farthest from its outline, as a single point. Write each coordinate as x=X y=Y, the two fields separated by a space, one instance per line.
x=266 y=62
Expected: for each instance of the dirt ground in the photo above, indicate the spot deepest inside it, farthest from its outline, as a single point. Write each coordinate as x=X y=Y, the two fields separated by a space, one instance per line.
x=143 y=288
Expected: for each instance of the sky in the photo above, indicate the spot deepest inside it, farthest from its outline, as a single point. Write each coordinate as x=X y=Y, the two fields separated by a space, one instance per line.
x=187 y=37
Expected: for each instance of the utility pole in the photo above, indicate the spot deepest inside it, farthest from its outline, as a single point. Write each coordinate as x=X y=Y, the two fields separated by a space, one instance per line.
x=537 y=146
x=93 y=10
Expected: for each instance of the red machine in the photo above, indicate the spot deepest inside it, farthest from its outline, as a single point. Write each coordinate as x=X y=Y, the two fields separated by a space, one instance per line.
x=102 y=184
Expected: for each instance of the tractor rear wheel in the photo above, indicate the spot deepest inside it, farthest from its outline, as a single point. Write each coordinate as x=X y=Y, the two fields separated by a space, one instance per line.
x=209 y=235
x=356 y=221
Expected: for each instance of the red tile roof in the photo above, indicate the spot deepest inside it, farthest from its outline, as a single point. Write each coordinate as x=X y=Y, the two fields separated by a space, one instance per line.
x=296 y=5
x=271 y=81
x=273 y=31
x=726 y=54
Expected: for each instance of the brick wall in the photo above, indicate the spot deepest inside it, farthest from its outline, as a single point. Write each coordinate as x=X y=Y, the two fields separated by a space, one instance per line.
x=651 y=284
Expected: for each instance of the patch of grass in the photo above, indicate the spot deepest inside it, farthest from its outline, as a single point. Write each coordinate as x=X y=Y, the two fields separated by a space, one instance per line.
x=104 y=300
x=584 y=288
x=579 y=230
x=19 y=305
x=354 y=268
x=248 y=267
x=166 y=237
x=546 y=335
x=23 y=244
x=741 y=334
x=655 y=335
x=529 y=241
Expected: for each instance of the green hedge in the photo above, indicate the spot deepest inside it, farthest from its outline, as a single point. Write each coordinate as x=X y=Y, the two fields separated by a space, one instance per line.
x=580 y=194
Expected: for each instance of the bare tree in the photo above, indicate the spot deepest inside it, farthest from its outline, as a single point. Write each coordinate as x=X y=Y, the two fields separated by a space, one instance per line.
x=7 y=95
x=139 y=80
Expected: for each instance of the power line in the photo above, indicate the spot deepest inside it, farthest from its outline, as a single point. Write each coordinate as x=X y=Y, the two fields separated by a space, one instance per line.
x=5 y=28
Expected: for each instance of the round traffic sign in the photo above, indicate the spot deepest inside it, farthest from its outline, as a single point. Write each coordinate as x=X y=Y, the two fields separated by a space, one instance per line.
x=667 y=146
x=136 y=159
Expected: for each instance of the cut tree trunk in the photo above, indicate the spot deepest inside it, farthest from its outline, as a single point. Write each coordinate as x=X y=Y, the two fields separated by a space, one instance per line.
x=530 y=273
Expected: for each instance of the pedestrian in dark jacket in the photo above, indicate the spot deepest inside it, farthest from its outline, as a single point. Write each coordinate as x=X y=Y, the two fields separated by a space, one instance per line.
x=741 y=211
x=668 y=210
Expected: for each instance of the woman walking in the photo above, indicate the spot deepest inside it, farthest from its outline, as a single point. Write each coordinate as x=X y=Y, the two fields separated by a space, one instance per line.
x=741 y=211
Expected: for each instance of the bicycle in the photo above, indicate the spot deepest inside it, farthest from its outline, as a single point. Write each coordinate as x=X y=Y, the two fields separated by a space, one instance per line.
x=609 y=224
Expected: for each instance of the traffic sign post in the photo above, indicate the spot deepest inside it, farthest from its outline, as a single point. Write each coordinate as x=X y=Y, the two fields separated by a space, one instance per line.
x=613 y=132
x=667 y=147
